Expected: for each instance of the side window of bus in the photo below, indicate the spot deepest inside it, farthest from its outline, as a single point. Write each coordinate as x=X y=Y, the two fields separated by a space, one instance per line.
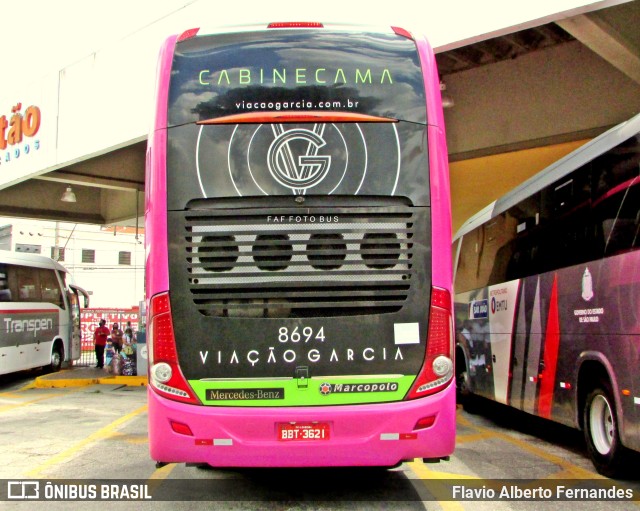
x=5 y=290
x=467 y=268
x=616 y=198
x=497 y=254
x=566 y=221
x=27 y=283
x=50 y=288
x=524 y=253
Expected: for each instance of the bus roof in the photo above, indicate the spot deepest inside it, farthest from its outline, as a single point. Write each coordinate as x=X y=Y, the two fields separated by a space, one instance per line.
x=205 y=29
x=584 y=154
x=477 y=219
x=35 y=260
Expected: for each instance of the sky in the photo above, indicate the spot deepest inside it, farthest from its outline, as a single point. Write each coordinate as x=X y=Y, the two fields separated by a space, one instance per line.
x=47 y=35
x=43 y=36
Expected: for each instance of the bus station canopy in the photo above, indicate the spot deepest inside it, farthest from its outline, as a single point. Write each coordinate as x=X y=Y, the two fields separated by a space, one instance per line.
x=521 y=90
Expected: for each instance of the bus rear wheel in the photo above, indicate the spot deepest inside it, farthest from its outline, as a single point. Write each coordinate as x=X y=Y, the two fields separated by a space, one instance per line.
x=56 y=359
x=601 y=431
x=464 y=395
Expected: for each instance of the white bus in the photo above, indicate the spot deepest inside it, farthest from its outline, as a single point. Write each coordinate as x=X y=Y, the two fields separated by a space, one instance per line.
x=548 y=297
x=39 y=313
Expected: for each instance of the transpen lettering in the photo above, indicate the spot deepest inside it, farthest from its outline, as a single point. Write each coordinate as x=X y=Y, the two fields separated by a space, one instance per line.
x=27 y=325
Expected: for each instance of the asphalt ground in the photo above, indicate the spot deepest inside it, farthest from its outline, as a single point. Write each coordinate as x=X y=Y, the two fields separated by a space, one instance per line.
x=83 y=425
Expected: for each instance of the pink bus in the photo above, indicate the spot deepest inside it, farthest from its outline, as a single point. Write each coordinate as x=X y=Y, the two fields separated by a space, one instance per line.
x=298 y=250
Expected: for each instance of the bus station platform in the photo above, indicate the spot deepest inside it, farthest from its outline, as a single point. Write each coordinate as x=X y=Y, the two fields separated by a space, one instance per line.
x=85 y=376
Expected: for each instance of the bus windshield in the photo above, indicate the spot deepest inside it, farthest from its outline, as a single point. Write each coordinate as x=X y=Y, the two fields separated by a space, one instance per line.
x=219 y=75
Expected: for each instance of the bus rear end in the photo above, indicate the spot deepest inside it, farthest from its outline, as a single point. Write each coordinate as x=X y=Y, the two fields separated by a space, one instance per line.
x=298 y=250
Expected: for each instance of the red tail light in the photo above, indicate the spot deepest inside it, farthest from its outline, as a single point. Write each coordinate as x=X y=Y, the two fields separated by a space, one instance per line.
x=402 y=32
x=165 y=375
x=437 y=369
x=188 y=34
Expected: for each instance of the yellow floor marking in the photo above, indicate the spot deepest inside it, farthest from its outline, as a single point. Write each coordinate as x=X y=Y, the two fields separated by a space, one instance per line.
x=431 y=479
x=130 y=438
x=567 y=470
x=163 y=472
x=101 y=434
x=537 y=451
x=5 y=408
x=11 y=406
x=474 y=437
x=10 y=395
x=160 y=474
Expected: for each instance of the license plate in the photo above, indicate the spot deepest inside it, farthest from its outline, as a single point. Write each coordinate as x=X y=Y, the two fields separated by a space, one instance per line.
x=303 y=431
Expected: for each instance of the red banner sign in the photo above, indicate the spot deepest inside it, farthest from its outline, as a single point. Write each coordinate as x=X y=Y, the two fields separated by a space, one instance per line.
x=91 y=317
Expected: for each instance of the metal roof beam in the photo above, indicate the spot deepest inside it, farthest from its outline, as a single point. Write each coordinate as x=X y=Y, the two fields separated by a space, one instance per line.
x=606 y=41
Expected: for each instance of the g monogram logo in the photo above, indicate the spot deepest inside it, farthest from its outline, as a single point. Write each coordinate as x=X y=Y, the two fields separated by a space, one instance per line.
x=293 y=158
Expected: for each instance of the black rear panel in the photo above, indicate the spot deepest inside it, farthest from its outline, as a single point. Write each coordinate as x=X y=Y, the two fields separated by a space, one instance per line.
x=346 y=278
x=298 y=244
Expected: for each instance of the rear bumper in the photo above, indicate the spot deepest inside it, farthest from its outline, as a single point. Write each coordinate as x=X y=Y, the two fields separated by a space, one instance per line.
x=360 y=435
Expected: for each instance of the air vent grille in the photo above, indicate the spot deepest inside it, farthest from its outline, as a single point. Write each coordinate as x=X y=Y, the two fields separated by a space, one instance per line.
x=248 y=263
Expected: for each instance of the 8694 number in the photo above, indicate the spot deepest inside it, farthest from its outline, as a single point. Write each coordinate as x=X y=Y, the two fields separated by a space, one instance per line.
x=300 y=334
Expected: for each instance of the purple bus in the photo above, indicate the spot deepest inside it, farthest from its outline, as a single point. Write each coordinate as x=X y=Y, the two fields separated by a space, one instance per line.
x=547 y=300
x=299 y=250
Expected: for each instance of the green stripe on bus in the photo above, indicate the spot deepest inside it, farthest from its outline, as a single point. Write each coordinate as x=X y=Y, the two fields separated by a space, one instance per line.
x=310 y=392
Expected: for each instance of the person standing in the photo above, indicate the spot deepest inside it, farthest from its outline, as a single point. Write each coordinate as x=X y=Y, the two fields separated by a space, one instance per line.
x=100 y=341
x=128 y=331
x=116 y=337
